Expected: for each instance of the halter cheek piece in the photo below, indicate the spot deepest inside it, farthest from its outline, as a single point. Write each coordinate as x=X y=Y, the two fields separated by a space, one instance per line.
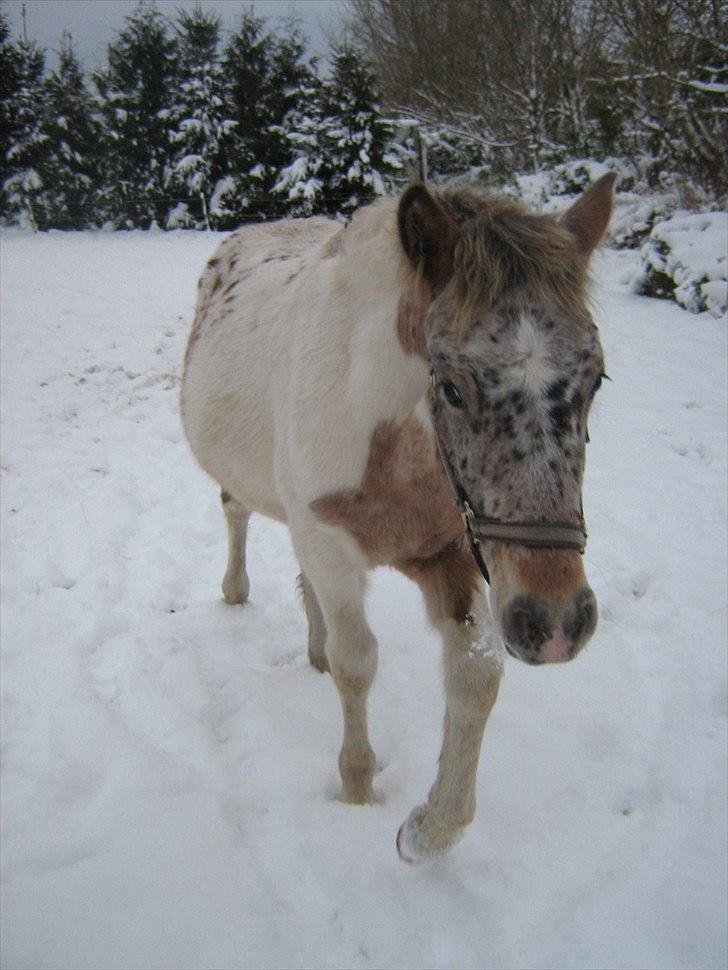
x=481 y=528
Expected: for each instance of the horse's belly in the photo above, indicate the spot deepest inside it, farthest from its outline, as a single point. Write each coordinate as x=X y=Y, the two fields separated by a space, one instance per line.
x=228 y=424
x=236 y=363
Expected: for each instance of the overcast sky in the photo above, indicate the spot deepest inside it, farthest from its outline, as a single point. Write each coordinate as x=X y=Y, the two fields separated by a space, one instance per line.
x=93 y=23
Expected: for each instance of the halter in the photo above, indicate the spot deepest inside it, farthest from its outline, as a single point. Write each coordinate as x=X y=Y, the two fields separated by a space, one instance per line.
x=481 y=528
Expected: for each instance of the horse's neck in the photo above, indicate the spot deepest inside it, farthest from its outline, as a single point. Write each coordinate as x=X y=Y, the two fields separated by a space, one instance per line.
x=388 y=371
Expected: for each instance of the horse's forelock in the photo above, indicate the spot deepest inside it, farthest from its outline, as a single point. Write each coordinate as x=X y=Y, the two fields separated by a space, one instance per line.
x=506 y=255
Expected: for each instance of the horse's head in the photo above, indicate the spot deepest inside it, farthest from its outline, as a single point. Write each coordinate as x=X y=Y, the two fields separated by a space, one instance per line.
x=516 y=363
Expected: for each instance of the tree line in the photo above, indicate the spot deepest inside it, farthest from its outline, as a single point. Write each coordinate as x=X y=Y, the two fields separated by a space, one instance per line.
x=184 y=128
x=521 y=85
x=180 y=130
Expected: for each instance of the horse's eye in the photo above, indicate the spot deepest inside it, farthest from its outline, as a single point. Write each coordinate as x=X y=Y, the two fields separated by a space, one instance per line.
x=452 y=395
x=597 y=384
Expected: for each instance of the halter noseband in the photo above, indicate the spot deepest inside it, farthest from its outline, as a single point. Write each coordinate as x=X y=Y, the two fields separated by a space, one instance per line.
x=481 y=528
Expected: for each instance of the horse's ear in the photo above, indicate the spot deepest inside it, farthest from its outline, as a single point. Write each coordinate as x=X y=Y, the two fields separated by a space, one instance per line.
x=428 y=235
x=588 y=217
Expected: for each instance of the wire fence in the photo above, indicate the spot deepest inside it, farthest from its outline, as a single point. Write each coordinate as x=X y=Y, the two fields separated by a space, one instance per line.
x=265 y=209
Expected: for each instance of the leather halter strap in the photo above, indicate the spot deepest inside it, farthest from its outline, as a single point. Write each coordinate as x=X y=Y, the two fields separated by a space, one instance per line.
x=534 y=535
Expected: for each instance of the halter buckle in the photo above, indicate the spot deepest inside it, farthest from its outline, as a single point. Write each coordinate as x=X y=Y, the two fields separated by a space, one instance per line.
x=468 y=517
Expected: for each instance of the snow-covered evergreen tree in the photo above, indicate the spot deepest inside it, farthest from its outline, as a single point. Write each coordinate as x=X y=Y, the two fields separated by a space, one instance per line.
x=354 y=136
x=137 y=90
x=293 y=92
x=267 y=78
x=303 y=177
x=246 y=65
x=8 y=87
x=23 y=191
x=70 y=166
x=341 y=152
x=203 y=132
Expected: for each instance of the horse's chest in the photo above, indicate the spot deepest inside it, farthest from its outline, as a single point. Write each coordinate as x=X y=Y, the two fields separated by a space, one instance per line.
x=404 y=508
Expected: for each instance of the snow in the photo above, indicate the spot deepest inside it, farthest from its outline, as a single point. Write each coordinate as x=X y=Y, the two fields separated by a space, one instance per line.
x=169 y=790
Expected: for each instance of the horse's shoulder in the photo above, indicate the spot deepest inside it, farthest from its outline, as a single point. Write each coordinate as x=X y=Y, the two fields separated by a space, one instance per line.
x=403 y=508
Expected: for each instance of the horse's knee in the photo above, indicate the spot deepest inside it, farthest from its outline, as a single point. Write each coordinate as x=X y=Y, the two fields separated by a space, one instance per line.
x=353 y=660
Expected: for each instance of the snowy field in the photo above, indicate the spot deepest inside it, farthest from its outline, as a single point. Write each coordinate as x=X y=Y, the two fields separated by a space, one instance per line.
x=169 y=792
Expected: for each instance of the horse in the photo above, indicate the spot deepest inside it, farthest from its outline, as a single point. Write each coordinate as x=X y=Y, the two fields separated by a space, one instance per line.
x=410 y=389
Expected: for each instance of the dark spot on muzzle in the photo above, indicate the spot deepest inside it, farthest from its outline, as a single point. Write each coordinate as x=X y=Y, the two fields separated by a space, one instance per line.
x=526 y=627
x=581 y=619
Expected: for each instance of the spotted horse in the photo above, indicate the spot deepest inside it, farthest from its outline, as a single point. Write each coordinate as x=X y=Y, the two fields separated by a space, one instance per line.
x=410 y=390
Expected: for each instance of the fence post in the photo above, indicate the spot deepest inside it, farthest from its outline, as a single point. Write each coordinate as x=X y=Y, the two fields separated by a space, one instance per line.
x=204 y=210
x=421 y=147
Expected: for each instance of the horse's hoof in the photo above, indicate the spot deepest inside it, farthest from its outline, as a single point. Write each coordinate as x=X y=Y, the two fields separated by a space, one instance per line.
x=357 y=789
x=235 y=591
x=415 y=846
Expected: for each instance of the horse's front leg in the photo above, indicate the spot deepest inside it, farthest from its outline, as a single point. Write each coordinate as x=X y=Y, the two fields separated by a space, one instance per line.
x=473 y=665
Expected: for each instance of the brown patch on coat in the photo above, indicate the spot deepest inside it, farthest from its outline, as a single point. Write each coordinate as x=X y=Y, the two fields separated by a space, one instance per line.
x=411 y=325
x=404 y=509
x=225 y=497
x=552 y=574
x=449 y=581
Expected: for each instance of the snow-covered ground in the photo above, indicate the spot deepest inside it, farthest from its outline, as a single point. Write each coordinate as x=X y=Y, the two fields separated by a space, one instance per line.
x=169 y=794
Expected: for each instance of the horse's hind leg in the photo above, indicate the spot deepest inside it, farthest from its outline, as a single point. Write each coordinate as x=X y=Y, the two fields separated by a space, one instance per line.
x=316 y=626
x=235 y=585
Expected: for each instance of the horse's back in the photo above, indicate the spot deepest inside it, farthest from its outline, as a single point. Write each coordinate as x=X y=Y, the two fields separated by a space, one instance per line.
x=238 y=350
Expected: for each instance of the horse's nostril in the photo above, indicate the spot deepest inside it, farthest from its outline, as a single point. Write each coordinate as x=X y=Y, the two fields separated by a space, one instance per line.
x=581 y=621
x=526 y=624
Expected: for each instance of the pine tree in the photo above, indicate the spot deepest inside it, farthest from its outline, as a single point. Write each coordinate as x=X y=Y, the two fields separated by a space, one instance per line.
x=24 y=196
x=267 y=79
x=137 y=89
x=293 y=91
x=246 y=67
x=8 y=88
x=354 y=136
x=302 y=179
x=203 y=132
x=70 y=168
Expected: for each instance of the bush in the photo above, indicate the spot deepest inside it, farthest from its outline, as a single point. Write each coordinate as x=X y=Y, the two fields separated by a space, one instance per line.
x=684 y=259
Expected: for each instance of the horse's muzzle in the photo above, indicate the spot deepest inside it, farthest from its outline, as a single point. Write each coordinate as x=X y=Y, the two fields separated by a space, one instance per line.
x=534 y=635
